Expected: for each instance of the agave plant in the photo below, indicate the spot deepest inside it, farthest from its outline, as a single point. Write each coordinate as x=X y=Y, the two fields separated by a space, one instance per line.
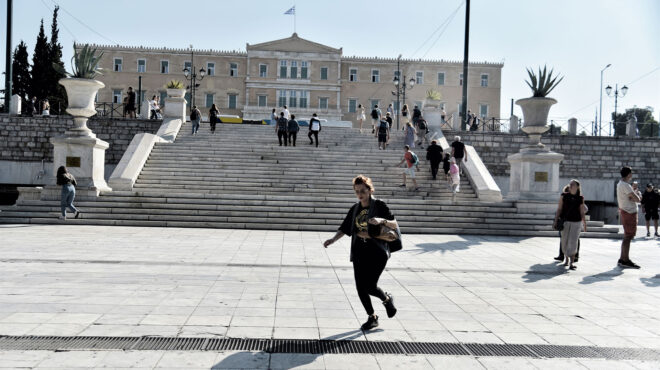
x=542 y=85
x=85 y=63
x=174 y=84
x=433 y=95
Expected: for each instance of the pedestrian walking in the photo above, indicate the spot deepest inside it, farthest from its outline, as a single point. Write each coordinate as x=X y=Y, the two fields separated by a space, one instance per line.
x=458 y=152
x=627 y=199
x=273 y=117
x=45 y=108
x=455 y=175
x=281 y=127
x=213 y=117
x=390 y=110
x=153 y=106
x=443 y=115
x=411 y=161
x=287 y=114
x=130 y=104
x=369 y=253
x=383 y=135
x=446 y=164
x=195 y=118
x=314 y=129
x=650 y=200
x=68 y=183
x=416 y=115
x=409 y=138
x=434 y=156
x=561 y=256
x=360 y=116
x=293 y=128
x=422 y=132
x=570 y=215
x=376 y=116
x=31 y=107
x=388 y=118
x=405 y=114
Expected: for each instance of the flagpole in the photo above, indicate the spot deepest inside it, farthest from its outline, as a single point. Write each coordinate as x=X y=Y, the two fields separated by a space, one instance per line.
x=294 y=17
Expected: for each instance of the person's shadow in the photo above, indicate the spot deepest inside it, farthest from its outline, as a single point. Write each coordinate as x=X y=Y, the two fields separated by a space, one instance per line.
x=544 y=272
x=603 y=276
x=454 y=245
x=651 y=282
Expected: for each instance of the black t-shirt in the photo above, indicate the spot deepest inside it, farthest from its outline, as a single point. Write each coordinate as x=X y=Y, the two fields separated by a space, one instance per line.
x=359 y=247
x=459 y=149
x=650 y=200
x=434 y=153
x=131 y=98
x=570 y=210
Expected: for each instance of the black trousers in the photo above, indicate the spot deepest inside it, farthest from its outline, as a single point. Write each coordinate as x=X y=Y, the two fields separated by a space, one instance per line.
x=316 y=136
x=434 y=168
x=281 y=134
x=293 y=135
x=367 y=271
x=212 y=126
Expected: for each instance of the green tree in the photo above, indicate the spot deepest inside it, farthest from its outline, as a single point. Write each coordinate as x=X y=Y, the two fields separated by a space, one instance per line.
x=20 y=71
x=41 y=66
x=56 y=93
x=646 y=124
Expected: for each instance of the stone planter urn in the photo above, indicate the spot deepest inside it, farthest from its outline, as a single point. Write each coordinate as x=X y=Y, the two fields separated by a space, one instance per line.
x=535 y=118
x=81 y=93
x=176 y=93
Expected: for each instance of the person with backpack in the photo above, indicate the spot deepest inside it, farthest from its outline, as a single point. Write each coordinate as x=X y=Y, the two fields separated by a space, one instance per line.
x=281 y=127
x=383 y=134
x=195 y=118
x=416 y=115
x=411 y=162
x=434 y=156
x=376 y=115
x=388 y=118
x=293 y=128
x=369 y=251
x=213 y=117
x=422 y=131
x=314 y=129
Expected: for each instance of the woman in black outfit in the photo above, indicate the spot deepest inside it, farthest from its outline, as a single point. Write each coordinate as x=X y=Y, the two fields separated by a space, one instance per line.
x=368 y=254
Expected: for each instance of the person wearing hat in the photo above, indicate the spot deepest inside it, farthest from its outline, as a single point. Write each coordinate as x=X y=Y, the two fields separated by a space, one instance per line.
x=650 y=201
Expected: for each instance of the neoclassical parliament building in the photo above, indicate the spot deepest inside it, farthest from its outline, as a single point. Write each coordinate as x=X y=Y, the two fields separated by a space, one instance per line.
x=306 y=76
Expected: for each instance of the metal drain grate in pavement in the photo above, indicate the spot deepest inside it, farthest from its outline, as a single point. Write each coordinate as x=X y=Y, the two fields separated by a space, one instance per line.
x=312 y=346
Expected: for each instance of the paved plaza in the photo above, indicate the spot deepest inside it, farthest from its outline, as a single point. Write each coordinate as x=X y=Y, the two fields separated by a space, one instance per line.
x=63 y=280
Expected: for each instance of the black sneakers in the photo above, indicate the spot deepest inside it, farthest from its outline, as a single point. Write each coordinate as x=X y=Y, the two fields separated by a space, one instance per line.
x=389 y=306
x=371 y=323
x=628 y=264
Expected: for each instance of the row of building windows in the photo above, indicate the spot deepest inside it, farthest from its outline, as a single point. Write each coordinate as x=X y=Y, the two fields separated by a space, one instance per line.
x=118 y=66
x=419 y=77
x=353 y=104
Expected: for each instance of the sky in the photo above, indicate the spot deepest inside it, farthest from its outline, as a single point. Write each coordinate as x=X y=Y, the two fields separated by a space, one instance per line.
x=576 y=38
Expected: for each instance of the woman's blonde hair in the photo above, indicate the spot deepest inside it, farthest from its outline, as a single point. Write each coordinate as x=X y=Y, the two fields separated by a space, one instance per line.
x=362 y=179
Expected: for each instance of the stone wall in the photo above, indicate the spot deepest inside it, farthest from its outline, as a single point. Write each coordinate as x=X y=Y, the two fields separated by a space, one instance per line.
x=25 y=139
x=585 y=156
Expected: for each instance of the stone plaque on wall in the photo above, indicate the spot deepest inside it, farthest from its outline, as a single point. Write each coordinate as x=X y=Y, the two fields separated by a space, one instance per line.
x=73 y=161
x=540 y=177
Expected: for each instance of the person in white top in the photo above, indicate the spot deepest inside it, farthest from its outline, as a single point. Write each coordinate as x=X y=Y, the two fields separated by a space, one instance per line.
x=287 y=115
x=360 y=116
x=314 y=129
x=627 y=198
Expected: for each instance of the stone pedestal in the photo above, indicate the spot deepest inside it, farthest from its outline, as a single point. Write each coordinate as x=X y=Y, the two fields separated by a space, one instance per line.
x=572 y=126
x=456 y=122
x=84 y=157
x=175 y=104
x=631 y=128
x=514 y=124
x=15 y=106
x=534 y=175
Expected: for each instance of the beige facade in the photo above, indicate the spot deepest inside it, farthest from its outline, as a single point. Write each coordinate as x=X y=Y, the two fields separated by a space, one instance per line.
x=306 y=76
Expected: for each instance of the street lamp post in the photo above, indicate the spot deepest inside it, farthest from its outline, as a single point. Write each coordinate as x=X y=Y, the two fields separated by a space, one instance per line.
x=191 y=76
x=608 y=90
x=600 y=119
x=401 y=90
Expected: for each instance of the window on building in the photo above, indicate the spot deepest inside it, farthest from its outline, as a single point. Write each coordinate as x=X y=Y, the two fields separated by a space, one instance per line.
x=116 y=96
x=282 y=98
x=142 y=65
x=188 y=100
x=293 y=99
x=374 y=102
x=323 y=103
x=375 y=75
x=233 y=70
x=187 y=65
x=210 y=69
x=460 y=80
x=303 y=70
x=419 y=77
x=117 y=65
x=441 y=78
x=484 y=80
x=324 y=73
x=263 y=70
x=353 y=74
x=397 y=74
x=208 y=100
x=262 y=100
x=232 y=101
x=163 y=95
x=283 y=69
x=483 y=110
x=164 y=66
x=294 y=70
x=304 y=97
x=352 y=105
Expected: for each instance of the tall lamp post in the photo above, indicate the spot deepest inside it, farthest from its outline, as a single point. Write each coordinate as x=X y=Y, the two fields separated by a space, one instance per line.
x=600 y=110
x=191 y=76
x=401 y=90
x=608 y=90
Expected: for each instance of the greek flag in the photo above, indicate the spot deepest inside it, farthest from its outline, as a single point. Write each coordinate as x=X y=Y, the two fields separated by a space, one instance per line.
x=291 y=11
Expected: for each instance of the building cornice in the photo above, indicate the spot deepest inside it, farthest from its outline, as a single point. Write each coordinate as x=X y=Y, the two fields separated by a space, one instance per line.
x=165 y=50
x=418 y=61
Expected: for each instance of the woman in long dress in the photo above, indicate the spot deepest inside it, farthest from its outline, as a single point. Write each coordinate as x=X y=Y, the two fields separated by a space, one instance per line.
x=410 y=135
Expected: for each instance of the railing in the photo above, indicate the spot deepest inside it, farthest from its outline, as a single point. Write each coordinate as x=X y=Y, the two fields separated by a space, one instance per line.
x=490 y=124
x=110 y=110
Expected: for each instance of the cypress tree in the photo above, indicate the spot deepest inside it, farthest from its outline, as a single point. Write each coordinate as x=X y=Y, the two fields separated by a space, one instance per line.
x=41 y=66
x=56 y=93
x=21 y=71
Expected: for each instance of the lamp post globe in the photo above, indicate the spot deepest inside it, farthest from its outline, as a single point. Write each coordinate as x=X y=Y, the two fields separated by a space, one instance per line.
x=608 y=90
x=624 y=90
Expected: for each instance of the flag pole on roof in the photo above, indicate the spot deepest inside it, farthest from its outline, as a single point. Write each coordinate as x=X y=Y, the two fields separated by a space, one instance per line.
x=292 y=11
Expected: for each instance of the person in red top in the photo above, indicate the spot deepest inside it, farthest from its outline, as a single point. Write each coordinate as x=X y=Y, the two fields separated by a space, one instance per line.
x=410 y=167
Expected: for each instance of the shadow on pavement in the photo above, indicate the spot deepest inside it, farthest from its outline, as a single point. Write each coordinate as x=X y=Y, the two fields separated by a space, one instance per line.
x=651 y=282
x=603 y=276
x=454 y=245
x=544 y=272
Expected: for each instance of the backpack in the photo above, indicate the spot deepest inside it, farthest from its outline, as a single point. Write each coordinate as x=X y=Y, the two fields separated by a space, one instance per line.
x=382 y=129
x=374 y=114
x=193 y=115
x=422 y=125
x=282 y=123
x=415 y=160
